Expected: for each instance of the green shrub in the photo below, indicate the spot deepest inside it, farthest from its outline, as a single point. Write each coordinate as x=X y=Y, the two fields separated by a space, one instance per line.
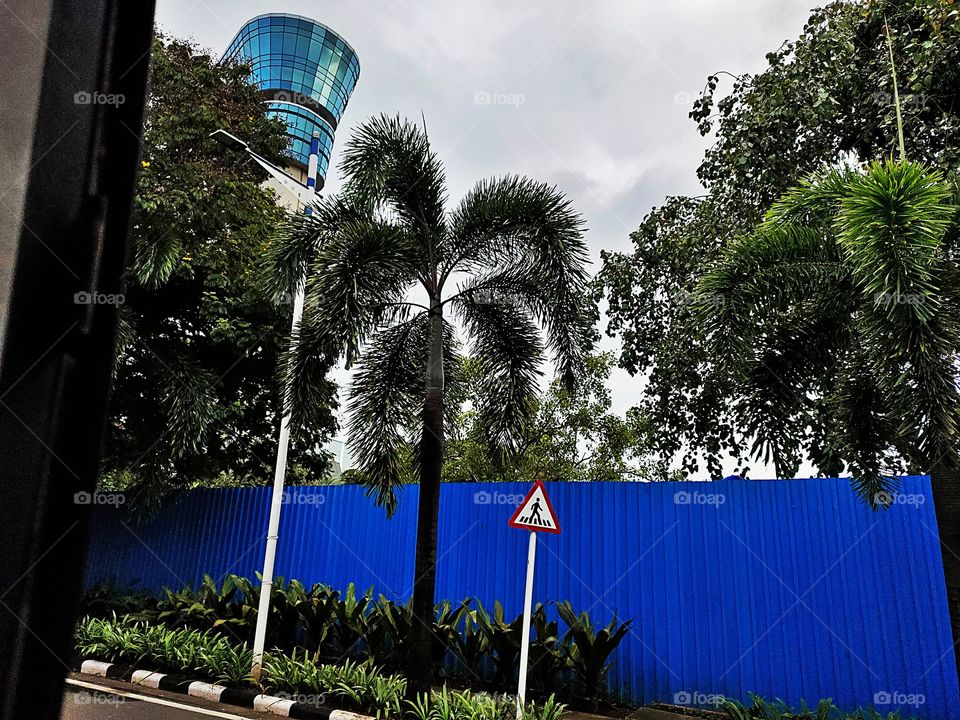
x=106 y=600
x=157 y=647
x=471 y=646
x=227 y=663
x=356 y=685
x=503 y=639
x=588 y=649
x=316 y=613
x=548 y=652
x=290 y=673
x=760 y=709
x=110 y=640
x=351 y=615
x=389 y=630
x=475 y=645
x=230 y=609
x=446 y=705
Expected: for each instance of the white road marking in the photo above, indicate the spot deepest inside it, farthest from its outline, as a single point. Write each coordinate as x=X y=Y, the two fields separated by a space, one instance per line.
x=155 y=701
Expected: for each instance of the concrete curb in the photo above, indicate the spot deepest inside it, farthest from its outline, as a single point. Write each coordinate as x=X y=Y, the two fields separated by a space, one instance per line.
x=283 y=707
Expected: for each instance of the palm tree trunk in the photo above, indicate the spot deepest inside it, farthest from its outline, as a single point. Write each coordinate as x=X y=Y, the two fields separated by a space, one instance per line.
x=945 y=482
x=420 y=670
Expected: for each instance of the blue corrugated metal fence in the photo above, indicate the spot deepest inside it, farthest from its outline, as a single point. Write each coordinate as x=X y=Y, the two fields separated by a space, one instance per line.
x=790 y=589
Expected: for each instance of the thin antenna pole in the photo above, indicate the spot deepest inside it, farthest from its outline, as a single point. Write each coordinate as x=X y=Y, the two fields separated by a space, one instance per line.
x=896 y=91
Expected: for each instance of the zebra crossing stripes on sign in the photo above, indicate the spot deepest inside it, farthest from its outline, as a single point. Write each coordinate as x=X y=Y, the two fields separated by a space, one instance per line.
x=535 y=512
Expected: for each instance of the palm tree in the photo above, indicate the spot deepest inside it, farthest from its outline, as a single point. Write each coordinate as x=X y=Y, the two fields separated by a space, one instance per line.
x=386 y=265
x=841 y=315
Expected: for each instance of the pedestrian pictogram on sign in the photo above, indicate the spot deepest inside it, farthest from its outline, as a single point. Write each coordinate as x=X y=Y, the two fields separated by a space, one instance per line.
x=535 y=512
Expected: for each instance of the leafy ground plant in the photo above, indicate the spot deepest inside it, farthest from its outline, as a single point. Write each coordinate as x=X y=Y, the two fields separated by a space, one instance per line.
x=196 y=630
x=160 y=648
x=589 y=649
x=444 y=704
x=760 y=709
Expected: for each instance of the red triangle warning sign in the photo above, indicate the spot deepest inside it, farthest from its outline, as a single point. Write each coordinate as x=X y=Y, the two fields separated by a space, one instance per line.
x=535 y=512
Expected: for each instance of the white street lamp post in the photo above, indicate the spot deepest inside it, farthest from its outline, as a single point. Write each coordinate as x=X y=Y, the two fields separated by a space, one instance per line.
x=305 y=195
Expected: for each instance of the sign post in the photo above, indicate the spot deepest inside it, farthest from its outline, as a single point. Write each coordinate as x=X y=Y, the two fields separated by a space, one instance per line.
x=535 y=514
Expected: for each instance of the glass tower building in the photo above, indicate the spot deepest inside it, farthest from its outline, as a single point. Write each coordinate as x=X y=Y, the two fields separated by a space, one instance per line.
x=306 y=74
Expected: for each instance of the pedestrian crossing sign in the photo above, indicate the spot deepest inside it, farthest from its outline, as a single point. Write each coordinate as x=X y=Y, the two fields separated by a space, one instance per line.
x=535 y=512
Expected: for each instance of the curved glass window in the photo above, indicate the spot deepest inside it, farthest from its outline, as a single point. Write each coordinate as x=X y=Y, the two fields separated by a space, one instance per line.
x=298 y=62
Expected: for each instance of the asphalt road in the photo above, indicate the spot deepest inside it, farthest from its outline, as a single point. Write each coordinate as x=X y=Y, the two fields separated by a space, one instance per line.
x=111 y=701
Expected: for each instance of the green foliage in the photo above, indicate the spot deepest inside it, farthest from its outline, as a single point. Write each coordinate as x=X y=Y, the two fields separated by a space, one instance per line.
x=157 y=647
x=589 y=649
x=760 y=709
x=230 y=608
x=227 y=663
x=315 y=610
x=351 y=621
x=548 y=654
x=208 y=629
x=569 y=436
x=471 y=645
x=108 y=600
x=504 y=642
x=845 y=304
x=446 y=705
x=354 y=685
x=392 y=625
x=824 y=99
x=194 y=393
x=446 y=628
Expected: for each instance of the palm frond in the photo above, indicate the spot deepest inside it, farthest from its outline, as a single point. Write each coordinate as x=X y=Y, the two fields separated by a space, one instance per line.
x=188 y=399
x=891 y=228
x=358 y=278
x=863 y=426
x=814 y=200
x=155 y=259
x=386 y=394
x=565 y=315
x=295 y=241
x=756 y=276
x=506 y=345
x=386 y=398
x=521 y=236
x=503 y=219
x=388 y=163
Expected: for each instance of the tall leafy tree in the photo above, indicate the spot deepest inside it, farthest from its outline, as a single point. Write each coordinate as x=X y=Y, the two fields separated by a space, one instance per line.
x=824 y=97
x=387 y=268
x=845 y=302
x=195 y=386
x=571 y=436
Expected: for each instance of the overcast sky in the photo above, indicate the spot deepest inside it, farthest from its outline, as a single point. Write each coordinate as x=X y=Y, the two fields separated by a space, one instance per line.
x=590 y=96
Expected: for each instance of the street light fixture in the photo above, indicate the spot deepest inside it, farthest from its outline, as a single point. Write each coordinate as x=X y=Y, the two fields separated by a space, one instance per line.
x=229 y=141
x=305 y=195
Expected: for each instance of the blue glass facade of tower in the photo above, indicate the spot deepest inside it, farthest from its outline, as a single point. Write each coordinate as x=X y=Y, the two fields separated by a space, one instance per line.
x=306 y=74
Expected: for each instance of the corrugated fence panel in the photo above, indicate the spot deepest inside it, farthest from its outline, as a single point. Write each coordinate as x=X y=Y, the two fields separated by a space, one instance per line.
x=790 y=589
